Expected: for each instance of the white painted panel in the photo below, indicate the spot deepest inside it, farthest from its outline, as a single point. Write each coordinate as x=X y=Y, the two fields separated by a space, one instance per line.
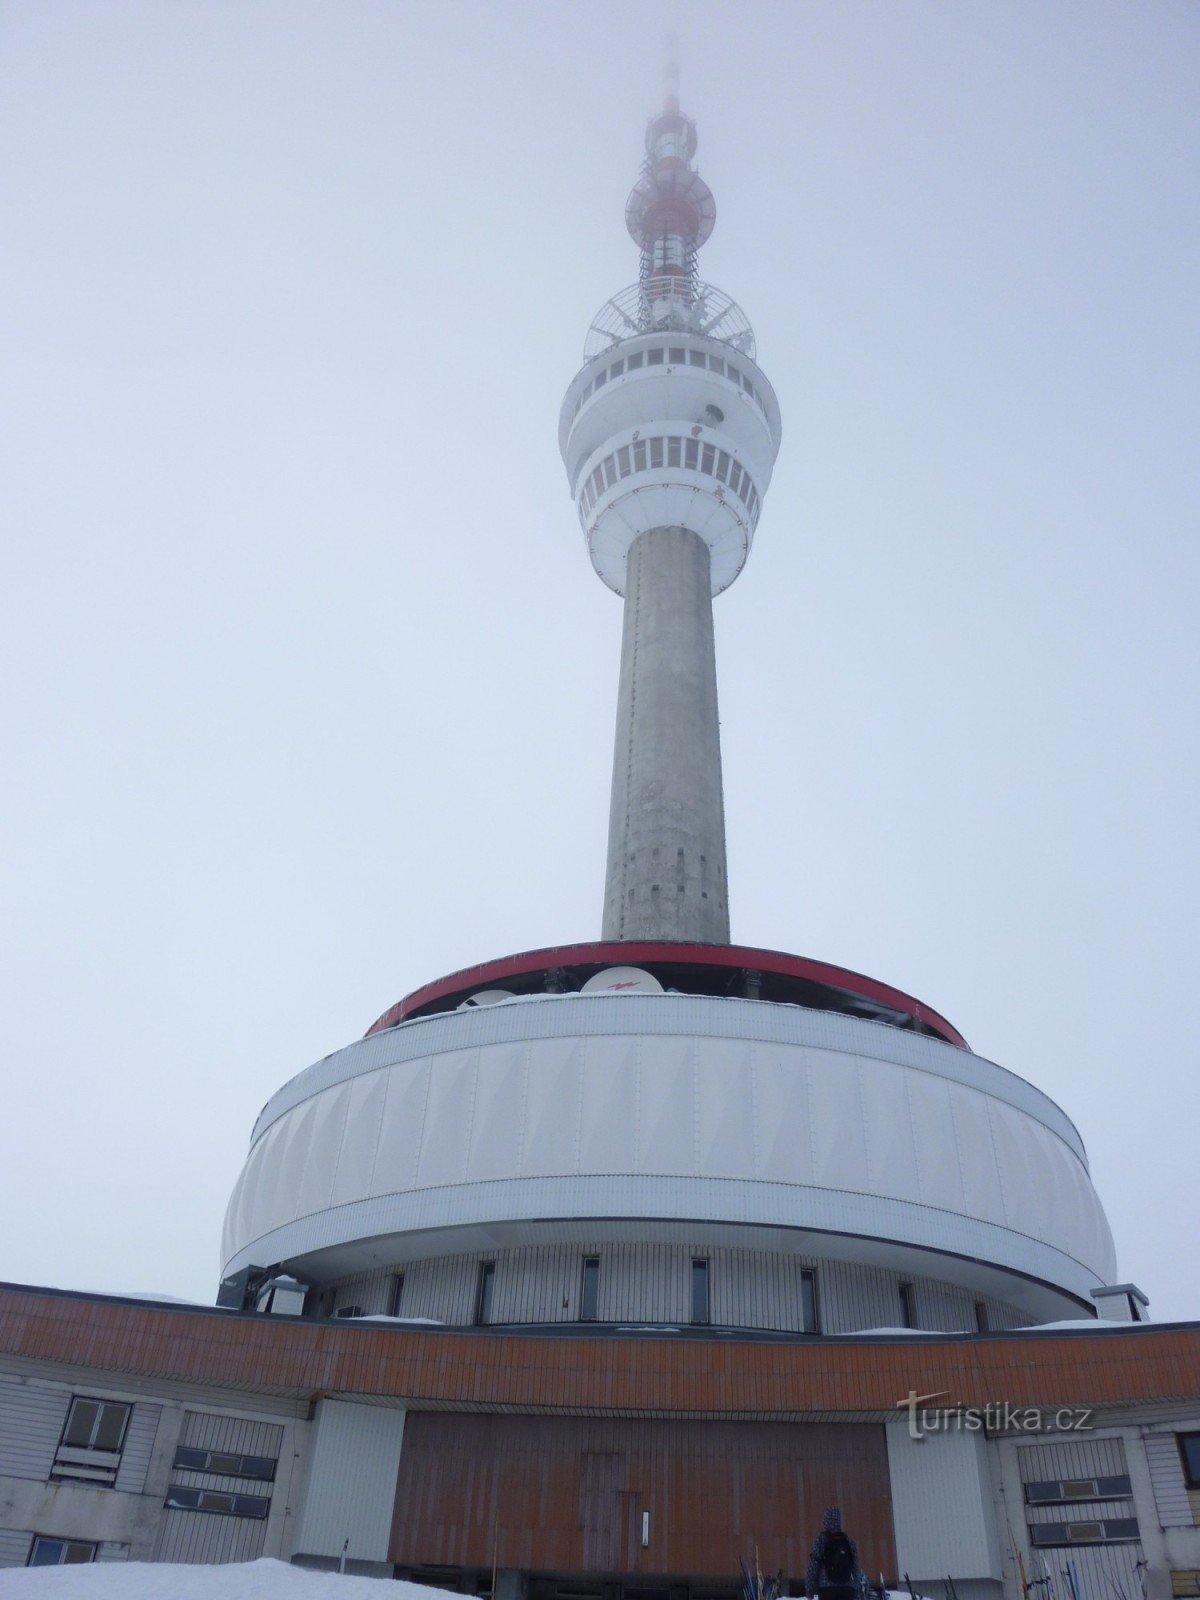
x=355 y=1159
x=449 y=1115
x=351 y=1489
x=973 y=1135
x=609 y=1111
x=942 y=1505
x=499 y=1113
x=199 y=1538
x=833 y=1124
x=1170 y=1485
x=403 y=1128
x=724 y=1084
x=552 y=1123
x=136 y=1449
x=14 y=1547
x=891 y=1152
x=939 y=1171
x=32 y=1417
x=666 y=1116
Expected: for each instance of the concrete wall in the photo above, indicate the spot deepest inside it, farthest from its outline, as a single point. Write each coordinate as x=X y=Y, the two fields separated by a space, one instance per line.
x=351 y=1486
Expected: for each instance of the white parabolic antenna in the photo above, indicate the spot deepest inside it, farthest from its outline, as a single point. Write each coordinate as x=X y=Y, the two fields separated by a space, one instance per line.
x=623 y=980
x=485 y=997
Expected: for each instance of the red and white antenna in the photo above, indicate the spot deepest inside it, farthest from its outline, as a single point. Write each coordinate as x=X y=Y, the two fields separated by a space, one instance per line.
x=671 y=211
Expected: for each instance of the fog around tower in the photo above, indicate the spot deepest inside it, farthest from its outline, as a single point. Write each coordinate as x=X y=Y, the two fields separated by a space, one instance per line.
x=310 y=686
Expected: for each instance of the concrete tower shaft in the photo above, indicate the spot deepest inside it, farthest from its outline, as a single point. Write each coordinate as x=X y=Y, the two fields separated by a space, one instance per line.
x=666 y=843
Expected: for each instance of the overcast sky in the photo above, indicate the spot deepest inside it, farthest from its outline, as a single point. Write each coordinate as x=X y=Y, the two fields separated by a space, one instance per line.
x=309 y=687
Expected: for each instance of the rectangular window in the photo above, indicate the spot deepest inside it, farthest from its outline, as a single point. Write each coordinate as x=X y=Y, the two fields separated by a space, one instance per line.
x=735 y=477
x=635 y=360
x=673 y=449
x=218 y=1502
x=639 y=456
x=691 y=454
x=598 y=481
x=907 y=1316
x=715 y=364
x=699 y=1290
x=1063 y=1492
x=90 y=1448
x=747 y=385
x=707 y=458
x=617 y=368
x=587 y=391
x=656 y=452
x=1111 y=1530
x=610 y=472
x=733 y=372
x=59 y=1552
x=483 y=1293
x=678 y=355
x=397 y=1294
x=745 y=489
x=696 y=358
x=752 y=504
x=1189 y=1454
x=723 y=465
x=654 y=358
x=95 y=1425
x=623 y=461
x=981 y=1316
x=600 y=378
x=225 y=1463
x=589 y=1293
x=808 y=1300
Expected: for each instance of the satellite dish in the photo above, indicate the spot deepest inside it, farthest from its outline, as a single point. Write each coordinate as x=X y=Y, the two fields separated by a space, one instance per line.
x=485 y=997
x=623 y=980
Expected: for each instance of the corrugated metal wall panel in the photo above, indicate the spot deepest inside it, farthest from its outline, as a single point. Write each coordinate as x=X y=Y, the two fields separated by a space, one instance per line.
x=559 y=1494
x=1072 y=1458
x=135 y=1452
x=1105 y=1571
x=652 y=1283
x=32 y=1417
x=202 y=1539
x=210 y=1430
x=351 y=1481
x=14 y=1547
x=1170 y=1486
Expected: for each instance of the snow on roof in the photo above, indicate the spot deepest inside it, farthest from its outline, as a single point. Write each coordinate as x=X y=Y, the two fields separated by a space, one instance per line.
x=247 y=1580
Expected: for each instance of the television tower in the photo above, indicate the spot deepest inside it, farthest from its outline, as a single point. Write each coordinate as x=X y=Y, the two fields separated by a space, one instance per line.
x=669 y=434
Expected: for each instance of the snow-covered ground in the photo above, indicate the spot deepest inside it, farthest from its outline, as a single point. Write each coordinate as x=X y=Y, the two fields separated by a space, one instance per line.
x=249 y=1580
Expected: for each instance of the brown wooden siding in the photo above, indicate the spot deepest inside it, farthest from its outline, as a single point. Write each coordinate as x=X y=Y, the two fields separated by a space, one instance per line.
x=680 y=1377
x=567 y=1494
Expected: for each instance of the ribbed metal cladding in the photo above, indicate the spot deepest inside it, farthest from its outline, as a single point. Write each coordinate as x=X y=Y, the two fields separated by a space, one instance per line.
x=666 y=843
x=570 y=1494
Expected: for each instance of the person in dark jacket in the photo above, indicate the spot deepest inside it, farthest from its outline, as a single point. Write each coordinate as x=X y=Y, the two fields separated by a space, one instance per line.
x=833 y=1569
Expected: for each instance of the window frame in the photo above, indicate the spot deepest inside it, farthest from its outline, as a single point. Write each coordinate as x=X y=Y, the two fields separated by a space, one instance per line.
x=46 y=1540
x=589 y=1289
x=1182 y=1441
x=809 y=1307
x=93 y=1400
x=485 y=1287
x=701 y=1314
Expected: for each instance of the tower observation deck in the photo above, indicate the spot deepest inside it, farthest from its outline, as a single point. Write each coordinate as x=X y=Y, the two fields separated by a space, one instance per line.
x=661 y=1127
x=669 y=434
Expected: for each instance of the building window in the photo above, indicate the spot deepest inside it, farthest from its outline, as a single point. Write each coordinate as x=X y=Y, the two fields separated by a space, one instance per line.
x=225 y=1463
x=1110 y=1530
x=180 y=1498
x=634 y=361
x=808 y=1301
x=397 y=1295
x=699 y=1290
x=483 y=1293
x=981 y=1316
x=907 y=1315
x=59 y=1552
x=589 y=1293
x=1063 y=1491
x=90 y=1448
x=678 y=355
x=1189 y=1454
x=349 y=1311
x=691 y=455
x=654 y=358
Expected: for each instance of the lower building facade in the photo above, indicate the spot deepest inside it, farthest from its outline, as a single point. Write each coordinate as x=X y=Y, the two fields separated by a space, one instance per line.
x=600 y=1464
